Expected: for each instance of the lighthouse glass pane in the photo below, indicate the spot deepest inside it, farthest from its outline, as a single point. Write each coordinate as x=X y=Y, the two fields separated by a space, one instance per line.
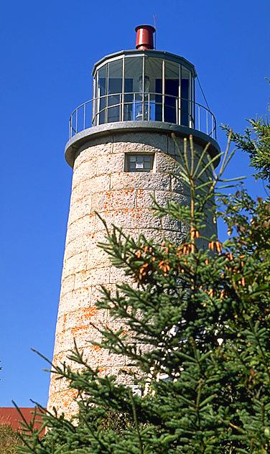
x=153 y=84
x=139 y=162
x=133 y=88
x=185 y=97
x=114 y=90
x=171 y=90
x=101 y=94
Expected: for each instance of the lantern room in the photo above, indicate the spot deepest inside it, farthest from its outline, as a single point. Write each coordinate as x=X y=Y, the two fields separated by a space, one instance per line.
x=144 y=85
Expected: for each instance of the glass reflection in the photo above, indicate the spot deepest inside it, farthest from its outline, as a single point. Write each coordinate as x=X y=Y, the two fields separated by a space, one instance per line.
x=114 y=90
x=101 y=94
x=185 y=104
x=132 y=87
x=171 y=89
x=153 y=70
x=144 y=88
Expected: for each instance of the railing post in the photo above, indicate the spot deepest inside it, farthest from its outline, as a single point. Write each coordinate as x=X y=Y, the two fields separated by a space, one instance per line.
x=145 y=104
x=122 y=97
x=106 y=108
x=163 y=107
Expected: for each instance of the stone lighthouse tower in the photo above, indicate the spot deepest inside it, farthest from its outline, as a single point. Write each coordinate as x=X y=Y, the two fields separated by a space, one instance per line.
x=122 y=154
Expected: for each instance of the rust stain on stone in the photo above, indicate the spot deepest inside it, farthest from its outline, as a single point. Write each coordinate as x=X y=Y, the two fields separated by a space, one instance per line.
x=64 y=322
x=129 y=191
x=77 y=329
x=89 y=312
x=68 y=395
x=126 y=210
x=73 y=392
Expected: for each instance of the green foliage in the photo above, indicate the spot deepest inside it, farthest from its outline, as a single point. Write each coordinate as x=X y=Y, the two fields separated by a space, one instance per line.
x=9 y=440
x=195 y=332
x=256 y=142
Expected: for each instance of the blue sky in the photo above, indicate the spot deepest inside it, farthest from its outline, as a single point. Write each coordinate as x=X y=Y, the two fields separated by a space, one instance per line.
x=47 y=53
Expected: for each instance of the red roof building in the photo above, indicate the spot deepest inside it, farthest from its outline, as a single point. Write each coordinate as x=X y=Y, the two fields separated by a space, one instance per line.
x=10 y=416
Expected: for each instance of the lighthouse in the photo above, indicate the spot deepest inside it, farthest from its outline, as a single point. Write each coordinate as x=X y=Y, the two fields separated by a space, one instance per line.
x=122 y=154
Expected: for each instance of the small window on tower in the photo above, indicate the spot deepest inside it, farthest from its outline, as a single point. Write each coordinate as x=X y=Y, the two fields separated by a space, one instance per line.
x=139 y=162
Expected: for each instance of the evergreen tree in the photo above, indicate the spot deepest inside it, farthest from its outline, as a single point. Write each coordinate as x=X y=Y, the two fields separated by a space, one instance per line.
x=256 y=142
x=9 y=440
x=195 y=331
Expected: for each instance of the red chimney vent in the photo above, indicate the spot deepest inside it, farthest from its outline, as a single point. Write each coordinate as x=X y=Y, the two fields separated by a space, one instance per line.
x=144 y=37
